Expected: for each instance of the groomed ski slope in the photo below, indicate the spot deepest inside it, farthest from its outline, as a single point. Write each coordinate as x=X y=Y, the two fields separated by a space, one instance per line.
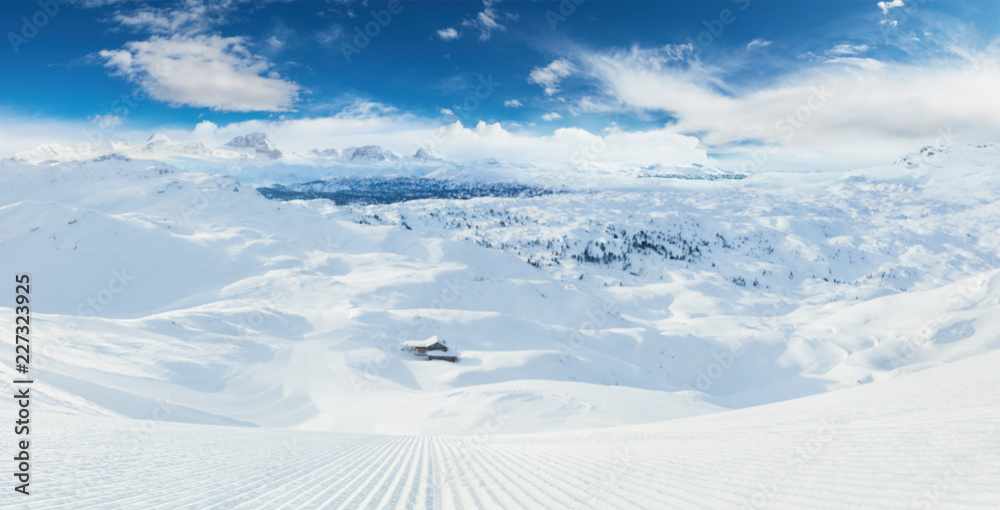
x=930 y=439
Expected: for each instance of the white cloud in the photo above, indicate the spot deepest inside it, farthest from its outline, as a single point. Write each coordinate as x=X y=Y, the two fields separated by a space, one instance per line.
x=106 y=122
x=758 y=43
x=364 y=123
x=550 y=76
x=487 y=21
x=275 y=43
x=445 y=111
x=448 y=34
x=613 y=148
x=551 y=116
x=330 y=35
x=887 y=6
x=866 y=110
x=512 y=103
x=190 y=16
x=868 y=64
x=845 y=54
x=203 y=71
x=361 y=109
x=205 y=129
x=846 y=49
x=183 y=63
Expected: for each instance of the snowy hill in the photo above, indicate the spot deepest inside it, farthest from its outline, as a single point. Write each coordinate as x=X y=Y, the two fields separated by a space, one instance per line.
x=761 y=263
x=924 y=440
x=627 y=301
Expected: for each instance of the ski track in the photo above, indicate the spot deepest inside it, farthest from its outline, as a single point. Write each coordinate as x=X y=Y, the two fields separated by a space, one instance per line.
x=930 y=439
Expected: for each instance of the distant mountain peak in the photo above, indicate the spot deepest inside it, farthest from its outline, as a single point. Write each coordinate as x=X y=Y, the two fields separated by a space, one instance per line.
x=158 y=139
x=327 y=153
x=257 y=141
x=427 y=154
x=366 y=153
x=48 y=151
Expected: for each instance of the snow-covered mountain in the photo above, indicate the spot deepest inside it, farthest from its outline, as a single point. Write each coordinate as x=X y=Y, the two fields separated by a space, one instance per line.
x=254 y=159
x=427 y=154
x=689 y=172
x=256 y=144
x=698 y=265
x=160 y=145
x=50 y=151
x=54 y=152
x=617 y=303
x=366 y=153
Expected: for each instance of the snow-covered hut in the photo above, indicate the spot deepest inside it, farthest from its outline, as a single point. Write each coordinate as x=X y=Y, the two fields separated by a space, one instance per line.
x=421 y=347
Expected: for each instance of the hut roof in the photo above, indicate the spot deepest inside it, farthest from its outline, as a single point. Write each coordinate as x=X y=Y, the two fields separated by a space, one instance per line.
x=424 y=343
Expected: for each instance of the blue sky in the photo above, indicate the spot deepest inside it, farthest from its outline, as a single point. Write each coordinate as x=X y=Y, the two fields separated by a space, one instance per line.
x=679 y=82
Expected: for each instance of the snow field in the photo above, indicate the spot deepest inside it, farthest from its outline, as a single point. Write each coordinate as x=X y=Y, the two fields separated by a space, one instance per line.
x=815 y=341
x=924 y=440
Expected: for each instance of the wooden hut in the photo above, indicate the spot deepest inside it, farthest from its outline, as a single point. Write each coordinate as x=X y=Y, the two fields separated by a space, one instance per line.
x=423 y=347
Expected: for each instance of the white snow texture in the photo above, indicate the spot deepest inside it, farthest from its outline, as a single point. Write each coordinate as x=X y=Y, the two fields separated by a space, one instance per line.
x=653 y=338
